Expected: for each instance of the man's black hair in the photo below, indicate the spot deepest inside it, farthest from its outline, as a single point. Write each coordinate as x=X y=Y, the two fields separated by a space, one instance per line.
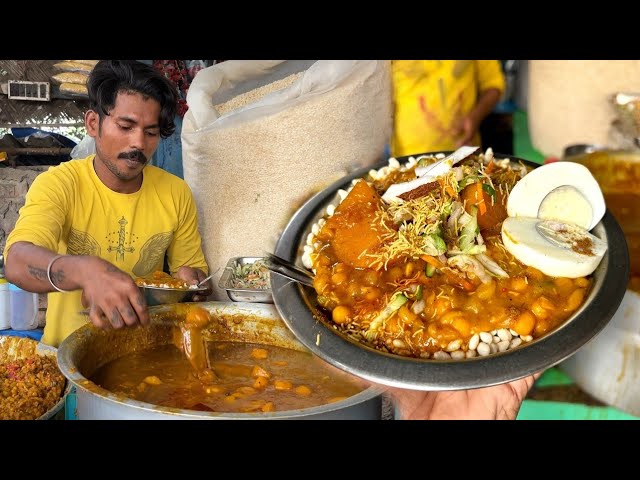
x=109 y=77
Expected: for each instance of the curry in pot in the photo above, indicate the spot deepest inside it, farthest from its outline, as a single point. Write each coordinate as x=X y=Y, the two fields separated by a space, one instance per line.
x=248 y=378
x=194 y=373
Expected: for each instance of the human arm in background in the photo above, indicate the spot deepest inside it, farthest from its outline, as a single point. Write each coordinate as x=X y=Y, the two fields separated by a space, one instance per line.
x=32 y=245
x=185 y=255
x=469 y=124
x=491 y=85
x=499 y=402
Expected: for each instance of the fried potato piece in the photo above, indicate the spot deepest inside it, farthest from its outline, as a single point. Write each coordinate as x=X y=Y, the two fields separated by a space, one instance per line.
x=354 y=227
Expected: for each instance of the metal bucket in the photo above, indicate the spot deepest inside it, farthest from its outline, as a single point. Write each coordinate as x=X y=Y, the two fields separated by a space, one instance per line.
x=88 y=348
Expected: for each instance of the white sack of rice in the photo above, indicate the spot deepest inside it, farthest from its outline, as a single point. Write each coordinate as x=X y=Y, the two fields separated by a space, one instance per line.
x=569 y=101
x=261 y=137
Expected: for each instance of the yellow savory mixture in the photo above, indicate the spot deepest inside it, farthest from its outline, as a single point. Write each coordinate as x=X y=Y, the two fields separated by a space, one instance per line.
x=29 y=387
x=429 y=276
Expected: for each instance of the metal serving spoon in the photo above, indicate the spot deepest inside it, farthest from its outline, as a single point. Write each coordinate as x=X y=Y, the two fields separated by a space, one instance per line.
x=287 y=269
x=206 y=279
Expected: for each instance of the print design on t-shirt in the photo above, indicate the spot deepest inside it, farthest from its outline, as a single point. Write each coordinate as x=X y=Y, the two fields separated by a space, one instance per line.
x=81 y=243
x=152 y=253
x=119 y=245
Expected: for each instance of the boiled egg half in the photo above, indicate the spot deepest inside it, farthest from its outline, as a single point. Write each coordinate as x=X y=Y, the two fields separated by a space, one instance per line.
x=556 y=248
x=550 y=212
x=563 y=191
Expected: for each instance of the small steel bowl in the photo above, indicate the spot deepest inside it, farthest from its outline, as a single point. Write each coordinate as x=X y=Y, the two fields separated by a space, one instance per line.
x=164 y=296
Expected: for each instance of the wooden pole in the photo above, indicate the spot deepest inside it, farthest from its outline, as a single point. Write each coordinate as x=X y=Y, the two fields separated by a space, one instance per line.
x=36 y=151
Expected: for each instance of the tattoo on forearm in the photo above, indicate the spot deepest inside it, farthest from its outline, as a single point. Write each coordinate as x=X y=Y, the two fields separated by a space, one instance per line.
x=112 y=268
x=41 y=274
x=37 y=273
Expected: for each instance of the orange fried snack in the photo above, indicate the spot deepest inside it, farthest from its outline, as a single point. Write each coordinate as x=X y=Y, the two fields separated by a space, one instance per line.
x=354 y=228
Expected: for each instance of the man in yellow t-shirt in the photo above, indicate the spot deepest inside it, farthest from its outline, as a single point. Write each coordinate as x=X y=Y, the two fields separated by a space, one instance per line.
x=439 y=104
x=90 y=225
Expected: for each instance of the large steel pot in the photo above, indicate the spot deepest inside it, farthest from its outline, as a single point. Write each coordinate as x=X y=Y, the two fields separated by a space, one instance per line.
x=88 y=348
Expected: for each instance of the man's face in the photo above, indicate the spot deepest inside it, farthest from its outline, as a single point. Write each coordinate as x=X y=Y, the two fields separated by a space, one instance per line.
x=127 y=138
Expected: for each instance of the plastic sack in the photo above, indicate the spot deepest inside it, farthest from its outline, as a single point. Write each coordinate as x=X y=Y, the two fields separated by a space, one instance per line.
x=625 y=128
x=70 y=66
x=74 y=88
x=71 y=77
x=91 y=63
x=86 y=147
x=608 y=367
x=261 y=137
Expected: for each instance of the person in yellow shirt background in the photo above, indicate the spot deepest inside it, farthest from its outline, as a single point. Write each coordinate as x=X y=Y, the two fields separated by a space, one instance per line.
x=440 y=104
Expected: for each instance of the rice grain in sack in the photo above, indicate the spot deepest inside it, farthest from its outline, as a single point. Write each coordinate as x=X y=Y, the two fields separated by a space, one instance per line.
x=261 y=137
x=569 y=101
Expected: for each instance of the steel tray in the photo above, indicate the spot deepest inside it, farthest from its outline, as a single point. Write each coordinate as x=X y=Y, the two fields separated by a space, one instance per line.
x=243 y=294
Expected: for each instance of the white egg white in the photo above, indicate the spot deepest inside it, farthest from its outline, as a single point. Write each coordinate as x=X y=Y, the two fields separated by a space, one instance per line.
x=556 y=248
x=540 y=193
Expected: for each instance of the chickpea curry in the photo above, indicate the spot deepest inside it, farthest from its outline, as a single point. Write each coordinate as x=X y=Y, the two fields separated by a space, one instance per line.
x=224 y=376
x=429 y=276
x=248 y=378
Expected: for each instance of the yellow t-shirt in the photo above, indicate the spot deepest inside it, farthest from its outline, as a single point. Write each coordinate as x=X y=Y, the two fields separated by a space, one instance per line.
x=70 y=211
x=431 y=95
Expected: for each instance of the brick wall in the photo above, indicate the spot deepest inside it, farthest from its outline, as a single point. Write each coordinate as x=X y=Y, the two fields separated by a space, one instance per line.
x=14 y=183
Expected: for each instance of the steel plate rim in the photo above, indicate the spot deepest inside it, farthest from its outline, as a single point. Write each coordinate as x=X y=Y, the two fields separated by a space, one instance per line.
x=172 y=289
x=434 y=375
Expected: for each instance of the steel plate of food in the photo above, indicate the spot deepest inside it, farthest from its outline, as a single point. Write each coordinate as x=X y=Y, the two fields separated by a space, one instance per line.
x=31 y=385
x=447 y=271
x=160 y=288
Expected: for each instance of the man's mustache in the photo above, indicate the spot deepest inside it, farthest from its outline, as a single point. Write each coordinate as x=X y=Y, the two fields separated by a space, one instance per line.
x=134 y=155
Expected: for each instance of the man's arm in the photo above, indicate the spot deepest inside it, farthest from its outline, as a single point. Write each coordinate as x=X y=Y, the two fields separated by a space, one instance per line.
x=487 y=100
x=186 y=258
x=26 y=266
x=112 y=295
x=470 y=124
x=490 y=83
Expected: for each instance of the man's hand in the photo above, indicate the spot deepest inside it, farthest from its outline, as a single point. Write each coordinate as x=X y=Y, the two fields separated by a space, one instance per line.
x=113 y=298
x=467 y=126
x=193 y=276
x=500 y=402
x=465 y=130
